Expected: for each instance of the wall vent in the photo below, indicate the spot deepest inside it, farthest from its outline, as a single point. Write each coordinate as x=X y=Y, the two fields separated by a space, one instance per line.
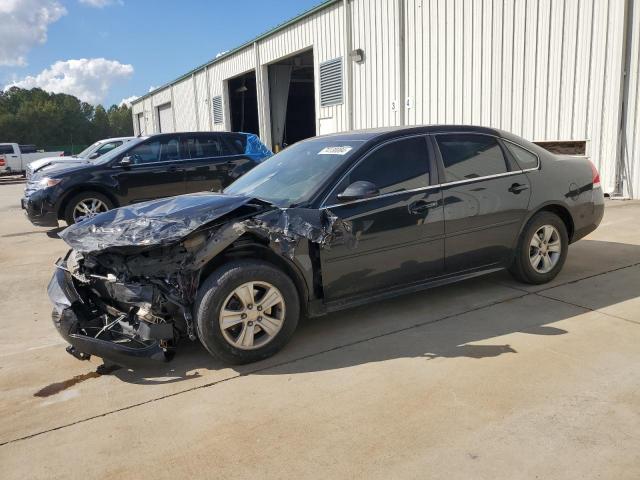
x=218 y=116
x=331 y=82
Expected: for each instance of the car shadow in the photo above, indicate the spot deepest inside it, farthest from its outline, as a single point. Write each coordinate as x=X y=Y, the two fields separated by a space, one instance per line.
x=465 y=319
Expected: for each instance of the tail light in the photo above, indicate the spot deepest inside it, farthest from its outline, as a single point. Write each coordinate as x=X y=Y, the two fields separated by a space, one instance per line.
x=596 y=176
x=2 y=162
x=61 y=154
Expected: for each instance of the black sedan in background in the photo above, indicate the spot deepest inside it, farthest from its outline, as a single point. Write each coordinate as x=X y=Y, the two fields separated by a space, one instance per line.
x=149 y=167
x=328 y=223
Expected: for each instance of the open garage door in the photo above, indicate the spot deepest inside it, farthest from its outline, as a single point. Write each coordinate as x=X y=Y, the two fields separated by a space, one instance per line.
x=165 y=118
x=292 y=100
x=243 y=103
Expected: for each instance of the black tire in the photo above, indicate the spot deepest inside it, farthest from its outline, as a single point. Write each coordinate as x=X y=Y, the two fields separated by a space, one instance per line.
x=76 y=199
x=222 y=283
x=522 y=268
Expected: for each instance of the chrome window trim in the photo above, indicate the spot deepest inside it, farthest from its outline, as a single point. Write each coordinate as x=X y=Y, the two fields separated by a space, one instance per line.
x=384 y=195
x=371 y=152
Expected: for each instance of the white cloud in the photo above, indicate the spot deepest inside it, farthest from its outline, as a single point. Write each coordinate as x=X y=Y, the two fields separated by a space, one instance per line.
x=24 y=24
x=128 y=101
x=152 y=88
x=101 y=3
x=89 y=79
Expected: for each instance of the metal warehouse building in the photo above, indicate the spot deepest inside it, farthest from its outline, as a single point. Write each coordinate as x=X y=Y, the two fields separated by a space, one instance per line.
x=560 y=71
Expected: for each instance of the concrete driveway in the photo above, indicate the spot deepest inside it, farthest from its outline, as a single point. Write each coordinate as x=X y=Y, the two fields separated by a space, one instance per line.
x=485 y=379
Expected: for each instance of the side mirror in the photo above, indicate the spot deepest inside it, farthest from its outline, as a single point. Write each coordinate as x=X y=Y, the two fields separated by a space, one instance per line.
x=359 y=190
x=126 y=162
x=94 y=155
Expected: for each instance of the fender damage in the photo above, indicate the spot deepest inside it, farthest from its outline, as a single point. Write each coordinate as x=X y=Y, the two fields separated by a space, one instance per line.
x=125 y=291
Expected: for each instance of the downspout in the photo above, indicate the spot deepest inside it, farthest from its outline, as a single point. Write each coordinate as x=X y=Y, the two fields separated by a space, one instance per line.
x=209 y=113
x=262 y=91
x=173 y=109
x=620 y=171
x=401 y=61
x=195 y=100
x=348 y=65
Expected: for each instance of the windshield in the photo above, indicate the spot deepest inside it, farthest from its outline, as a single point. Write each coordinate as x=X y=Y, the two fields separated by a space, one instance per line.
x=87 y=151
x=110 y=155
x=294 y=175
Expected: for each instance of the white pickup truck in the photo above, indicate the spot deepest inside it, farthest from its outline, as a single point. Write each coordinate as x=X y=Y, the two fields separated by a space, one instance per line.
x=14 y=158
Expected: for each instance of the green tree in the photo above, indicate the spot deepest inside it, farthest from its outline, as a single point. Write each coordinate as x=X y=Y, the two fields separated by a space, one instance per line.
x=53 y=119
x=100 y=123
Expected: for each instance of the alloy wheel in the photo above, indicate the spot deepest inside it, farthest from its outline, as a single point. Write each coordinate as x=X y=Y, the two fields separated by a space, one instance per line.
x=88 y=207
x=252 y=315
x=545 y=249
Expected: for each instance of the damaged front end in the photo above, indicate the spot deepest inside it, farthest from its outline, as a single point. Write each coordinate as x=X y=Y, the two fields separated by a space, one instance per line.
x=126 y=291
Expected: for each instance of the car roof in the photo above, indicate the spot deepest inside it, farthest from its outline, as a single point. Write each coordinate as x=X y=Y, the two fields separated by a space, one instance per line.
x=114 y=139
x=196 y=133
x=372 y=133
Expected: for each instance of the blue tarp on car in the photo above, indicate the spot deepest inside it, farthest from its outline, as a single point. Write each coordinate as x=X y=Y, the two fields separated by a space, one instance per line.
x=255 y=148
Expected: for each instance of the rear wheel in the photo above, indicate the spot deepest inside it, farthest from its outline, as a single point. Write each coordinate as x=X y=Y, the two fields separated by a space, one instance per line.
x=542 y=249
x=86 y=205
x=246 y=310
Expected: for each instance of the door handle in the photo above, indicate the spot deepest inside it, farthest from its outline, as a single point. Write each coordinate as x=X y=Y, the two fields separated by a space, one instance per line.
x=421 y=206
x=517 y=188
x=173 y=169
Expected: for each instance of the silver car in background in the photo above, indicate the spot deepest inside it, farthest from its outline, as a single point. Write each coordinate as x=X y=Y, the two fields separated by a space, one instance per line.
x=91 y=152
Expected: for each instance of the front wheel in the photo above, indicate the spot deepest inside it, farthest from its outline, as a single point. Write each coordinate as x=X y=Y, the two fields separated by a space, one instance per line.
x=542 y=249
x=246 y=311
x=86 y=205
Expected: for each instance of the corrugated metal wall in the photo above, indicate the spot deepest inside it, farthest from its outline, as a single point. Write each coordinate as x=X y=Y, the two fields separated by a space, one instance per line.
x=631 y=135
x=375 y=81
x=545 y=70
x=549 y=70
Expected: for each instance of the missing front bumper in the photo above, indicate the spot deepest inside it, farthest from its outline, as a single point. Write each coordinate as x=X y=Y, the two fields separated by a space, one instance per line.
x=70 y=317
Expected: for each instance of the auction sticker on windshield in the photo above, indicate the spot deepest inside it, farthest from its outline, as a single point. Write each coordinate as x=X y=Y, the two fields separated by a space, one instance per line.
x=335 y=150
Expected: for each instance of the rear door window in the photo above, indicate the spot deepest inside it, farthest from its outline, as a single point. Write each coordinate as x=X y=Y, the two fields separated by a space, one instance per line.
x=467 y=156
x=6 y=149
x=235 y=144
x=205 y=146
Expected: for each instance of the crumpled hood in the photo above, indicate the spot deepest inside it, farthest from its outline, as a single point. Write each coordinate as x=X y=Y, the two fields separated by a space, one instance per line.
x=157 y=222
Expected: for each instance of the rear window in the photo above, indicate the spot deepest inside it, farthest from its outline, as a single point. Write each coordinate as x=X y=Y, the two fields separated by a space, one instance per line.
x=28 y=149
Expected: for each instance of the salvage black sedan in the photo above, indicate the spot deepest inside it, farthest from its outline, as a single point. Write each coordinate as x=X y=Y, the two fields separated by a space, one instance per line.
x=328 y=223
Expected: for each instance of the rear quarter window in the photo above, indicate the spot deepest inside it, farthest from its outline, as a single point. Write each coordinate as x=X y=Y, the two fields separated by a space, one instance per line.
x=524 y=157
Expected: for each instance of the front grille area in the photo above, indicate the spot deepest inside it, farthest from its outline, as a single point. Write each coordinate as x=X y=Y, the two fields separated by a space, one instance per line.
x=30 y=187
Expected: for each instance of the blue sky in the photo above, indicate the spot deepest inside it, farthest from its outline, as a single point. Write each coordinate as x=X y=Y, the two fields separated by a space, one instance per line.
x=159 y=39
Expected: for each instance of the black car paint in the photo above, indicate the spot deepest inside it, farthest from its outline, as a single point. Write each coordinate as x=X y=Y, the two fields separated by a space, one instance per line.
x=126 y=185
x=407 y=241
